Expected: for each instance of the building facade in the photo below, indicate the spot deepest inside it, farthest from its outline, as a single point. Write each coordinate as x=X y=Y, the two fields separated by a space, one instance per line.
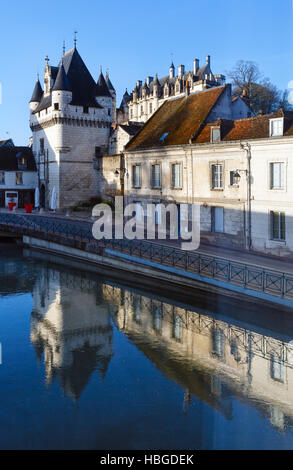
x=238 y=171
x=18 y=175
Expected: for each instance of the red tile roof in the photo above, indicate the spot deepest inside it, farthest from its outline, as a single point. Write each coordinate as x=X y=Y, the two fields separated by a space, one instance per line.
x=178 y=119
x=249 y=128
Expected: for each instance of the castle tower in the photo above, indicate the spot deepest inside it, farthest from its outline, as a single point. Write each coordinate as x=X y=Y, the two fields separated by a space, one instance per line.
x=70 y=123
x=36 y=96
x=113 y=94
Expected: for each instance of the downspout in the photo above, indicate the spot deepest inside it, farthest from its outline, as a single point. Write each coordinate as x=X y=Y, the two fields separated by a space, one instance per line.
x=247 y=148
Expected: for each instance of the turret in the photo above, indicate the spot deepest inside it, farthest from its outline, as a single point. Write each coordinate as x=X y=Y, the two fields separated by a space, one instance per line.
x=113 y=94
x=156 y=87
x=61 y=91
x=171 y=71
x=104 y=97
x=36 y=96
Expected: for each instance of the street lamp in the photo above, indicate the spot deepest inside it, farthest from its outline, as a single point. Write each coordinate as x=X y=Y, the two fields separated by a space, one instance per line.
x=120 y=170
x=236 y=177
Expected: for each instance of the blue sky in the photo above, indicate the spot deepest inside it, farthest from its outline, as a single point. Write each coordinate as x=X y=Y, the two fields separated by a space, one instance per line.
x=134 y=39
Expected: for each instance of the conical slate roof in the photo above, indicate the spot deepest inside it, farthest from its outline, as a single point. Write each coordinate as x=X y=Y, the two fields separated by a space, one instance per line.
x=126 y=98
x=102 y=88
x=37 y=93
x=82 y=84
x=109 y=84
x=61 y=82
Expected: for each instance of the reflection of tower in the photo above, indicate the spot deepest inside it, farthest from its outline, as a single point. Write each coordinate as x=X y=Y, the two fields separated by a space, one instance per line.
x=73 y=332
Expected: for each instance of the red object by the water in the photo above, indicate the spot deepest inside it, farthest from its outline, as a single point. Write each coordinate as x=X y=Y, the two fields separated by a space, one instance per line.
x=28 y=208
x=11 y=205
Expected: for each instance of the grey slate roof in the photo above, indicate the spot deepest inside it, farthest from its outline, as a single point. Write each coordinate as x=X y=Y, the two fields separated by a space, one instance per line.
x=125 y=99
x=82 y=83
x=9 y=158
x=61 y=82
x=102 y=88
x=131 y=129
x=109 y=83
x=6 y=143
x=45 y=102
x=37 y=93
x=75 y=78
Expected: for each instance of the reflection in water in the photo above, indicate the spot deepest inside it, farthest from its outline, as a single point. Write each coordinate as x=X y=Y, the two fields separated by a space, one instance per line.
x=72 y=328
x=212 y=359
x=217 y=362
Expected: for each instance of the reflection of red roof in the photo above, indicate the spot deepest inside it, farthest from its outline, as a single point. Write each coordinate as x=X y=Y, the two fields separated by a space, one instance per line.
x=249 y=128
x=178 y=119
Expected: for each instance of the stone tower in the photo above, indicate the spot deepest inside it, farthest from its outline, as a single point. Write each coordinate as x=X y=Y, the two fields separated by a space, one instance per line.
x=70 y=121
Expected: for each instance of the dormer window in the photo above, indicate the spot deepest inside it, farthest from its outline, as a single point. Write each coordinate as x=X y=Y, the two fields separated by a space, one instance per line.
x=215 y=134
x=56 y=106
x=86 y=109
x=22 y=163
x=276 y=127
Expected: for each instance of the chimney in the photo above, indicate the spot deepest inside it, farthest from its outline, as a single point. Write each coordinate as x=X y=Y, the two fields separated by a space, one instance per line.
x=181 y=70
x=195 y=66
x=138 y=83
x=208 y=60
x=149 y=80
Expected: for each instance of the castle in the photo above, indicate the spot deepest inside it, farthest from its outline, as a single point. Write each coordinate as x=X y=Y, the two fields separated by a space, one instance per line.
x=74 y=122
x=146 y=99
x=70 y=120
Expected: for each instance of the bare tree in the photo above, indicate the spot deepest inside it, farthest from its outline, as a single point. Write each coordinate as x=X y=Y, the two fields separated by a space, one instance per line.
x=262 y=94
x=244 y=75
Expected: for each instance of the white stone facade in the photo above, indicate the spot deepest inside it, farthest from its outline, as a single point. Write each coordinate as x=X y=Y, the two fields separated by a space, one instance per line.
x=246 y=207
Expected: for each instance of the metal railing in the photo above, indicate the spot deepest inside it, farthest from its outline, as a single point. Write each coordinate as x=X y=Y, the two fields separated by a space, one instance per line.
x=79 y=235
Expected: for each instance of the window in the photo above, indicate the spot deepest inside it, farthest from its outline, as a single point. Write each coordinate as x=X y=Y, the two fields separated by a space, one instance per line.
x=98 y=152
x=136 y=176
x=177 y=176
x=233 y=181
x=18 y=177
x=137 y=309
x=22 y=163
x=177 y=328
x=277 y=368
x=2 y=177
x=218 y=342
x=56 y=106
x=157 y=317
x=215 y=134
x=217 y=176
x=277 y=175
x=109 y=112
x=156 y=176
x=130 y=114
x=151 y=108
x=276 y=127
x=42 y=146
x=141 y=110
x=278 y=229
x=86 y=109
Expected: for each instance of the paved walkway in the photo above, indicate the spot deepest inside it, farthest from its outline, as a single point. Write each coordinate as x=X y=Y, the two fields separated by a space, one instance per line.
x=264 y=261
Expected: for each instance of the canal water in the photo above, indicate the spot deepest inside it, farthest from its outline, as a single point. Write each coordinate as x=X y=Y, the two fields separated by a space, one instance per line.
x=88 y=363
